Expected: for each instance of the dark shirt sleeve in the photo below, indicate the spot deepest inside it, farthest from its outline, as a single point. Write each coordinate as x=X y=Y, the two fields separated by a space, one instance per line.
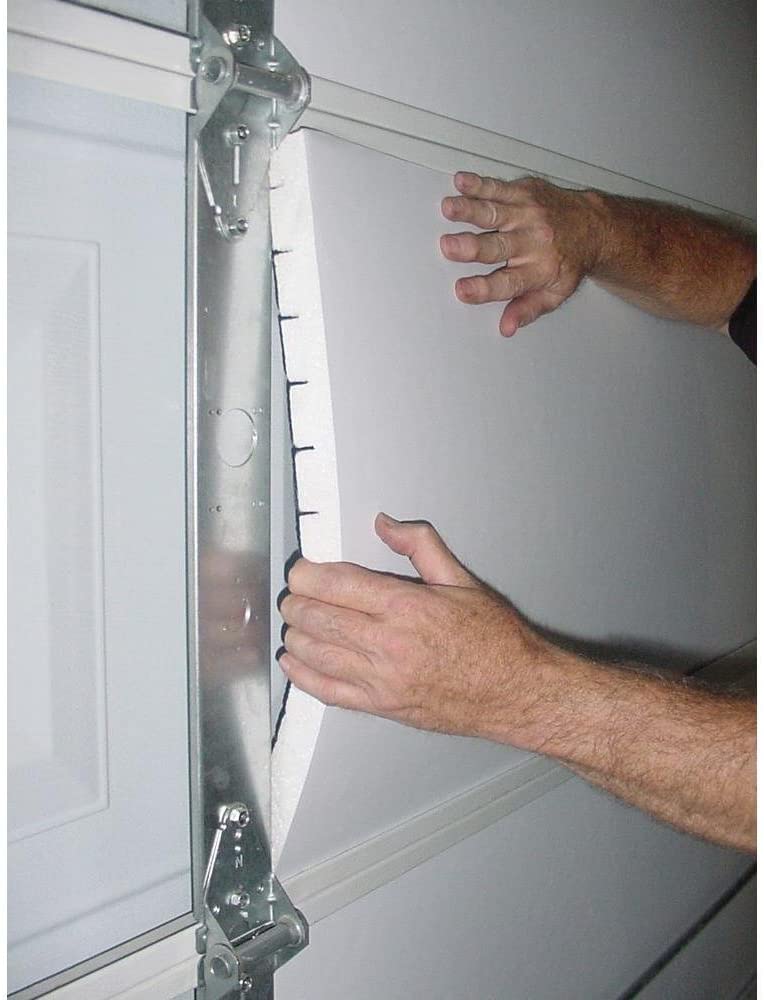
x=742 y=325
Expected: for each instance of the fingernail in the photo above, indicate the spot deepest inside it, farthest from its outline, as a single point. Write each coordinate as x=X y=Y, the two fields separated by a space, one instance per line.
x=387 y=519
x=448 y=242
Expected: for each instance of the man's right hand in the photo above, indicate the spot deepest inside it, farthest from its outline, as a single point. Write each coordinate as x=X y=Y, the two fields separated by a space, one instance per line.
x=546 y=239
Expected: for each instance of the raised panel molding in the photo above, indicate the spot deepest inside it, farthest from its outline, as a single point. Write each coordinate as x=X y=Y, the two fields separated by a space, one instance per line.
x=57 y=746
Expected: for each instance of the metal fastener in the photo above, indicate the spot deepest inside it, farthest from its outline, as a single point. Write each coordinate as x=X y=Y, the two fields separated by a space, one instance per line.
x=237 y=135
x=246 y=984
x=238 y=898
x=222 y=966
x=239 y=816
x=213 y=69
x=238 y=34
x=238 y=228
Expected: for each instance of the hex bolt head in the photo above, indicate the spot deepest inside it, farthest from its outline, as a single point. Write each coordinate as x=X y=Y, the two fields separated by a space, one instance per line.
x=238 y=898
x=239 y=815
x=238 y=34
x=246 y=984
x=237 y=135
x=239 y=228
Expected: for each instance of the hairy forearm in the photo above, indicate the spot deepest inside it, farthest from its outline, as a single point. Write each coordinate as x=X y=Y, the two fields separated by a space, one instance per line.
x=670 y=260
x=683 y=753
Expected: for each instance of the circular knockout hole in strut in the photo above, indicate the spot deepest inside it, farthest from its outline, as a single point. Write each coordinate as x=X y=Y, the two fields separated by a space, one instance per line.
x=236 y=437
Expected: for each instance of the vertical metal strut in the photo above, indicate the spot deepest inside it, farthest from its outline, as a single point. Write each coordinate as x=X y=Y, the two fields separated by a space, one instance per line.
x=249 y=92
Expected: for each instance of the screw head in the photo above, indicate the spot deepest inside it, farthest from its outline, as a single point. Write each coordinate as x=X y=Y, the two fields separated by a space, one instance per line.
x=238 y=228
x=243 y=132
x=246 y=984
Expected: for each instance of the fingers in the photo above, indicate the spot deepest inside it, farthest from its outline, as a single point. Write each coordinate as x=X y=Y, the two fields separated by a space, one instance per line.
x=327 y=689
x=483 y=214
x=429 y=554
x=343 y=584
x=506 y=192
x=525 y=309
x=501 y=285
x=328 y=623
x=333 y=661
x=488 y=248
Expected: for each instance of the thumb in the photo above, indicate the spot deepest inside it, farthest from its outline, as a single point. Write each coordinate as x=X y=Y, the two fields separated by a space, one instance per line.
x=523 y=310
x=429 y=554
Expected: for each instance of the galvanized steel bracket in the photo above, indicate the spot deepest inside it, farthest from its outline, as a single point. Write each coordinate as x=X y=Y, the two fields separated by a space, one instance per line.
x=247 y=87
x=249 y=92
x=251 y=926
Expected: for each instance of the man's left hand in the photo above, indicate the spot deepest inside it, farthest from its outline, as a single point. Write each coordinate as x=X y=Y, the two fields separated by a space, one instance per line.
x=444 y=653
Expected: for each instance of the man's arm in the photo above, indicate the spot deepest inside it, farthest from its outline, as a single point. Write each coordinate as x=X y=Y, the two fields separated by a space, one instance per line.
x=451 y=655
x=668 y=260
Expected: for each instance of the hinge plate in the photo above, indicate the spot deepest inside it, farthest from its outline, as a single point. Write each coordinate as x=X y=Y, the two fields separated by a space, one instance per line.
x=251 y=927
x=246 y=92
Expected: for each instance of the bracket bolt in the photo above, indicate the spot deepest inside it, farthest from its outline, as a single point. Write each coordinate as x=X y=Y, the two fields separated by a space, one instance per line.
x=238 y=34
x=238 y=898
x=222 y=967
x=238 y=228
x=246 y=984
x=214 y=69
x=239 y=815
x=237 y=134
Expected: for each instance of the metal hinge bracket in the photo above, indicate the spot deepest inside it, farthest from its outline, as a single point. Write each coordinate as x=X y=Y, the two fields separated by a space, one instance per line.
x=248 y=90
x=251 y=927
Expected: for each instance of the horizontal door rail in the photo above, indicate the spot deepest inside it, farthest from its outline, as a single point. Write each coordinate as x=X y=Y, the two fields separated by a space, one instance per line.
x=61 y=41
x=90 y=48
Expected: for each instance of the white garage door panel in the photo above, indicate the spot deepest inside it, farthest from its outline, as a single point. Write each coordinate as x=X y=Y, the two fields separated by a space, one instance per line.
x=169 y=13
x=571 y=898
x=720 y=962
x=660 y=90
x=598 y=468
x=98 y=746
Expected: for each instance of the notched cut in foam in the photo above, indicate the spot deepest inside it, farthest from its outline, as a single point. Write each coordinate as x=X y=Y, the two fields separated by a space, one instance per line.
x=303 y=342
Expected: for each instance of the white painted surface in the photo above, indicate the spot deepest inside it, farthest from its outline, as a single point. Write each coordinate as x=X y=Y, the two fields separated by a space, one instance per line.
x=448 y=145
x=168 y=13
x=660 y=90
x=570 y=898
x=156 y=972
x=83 y=47
x=598 y=468
x=97 y=653
x=719 y=962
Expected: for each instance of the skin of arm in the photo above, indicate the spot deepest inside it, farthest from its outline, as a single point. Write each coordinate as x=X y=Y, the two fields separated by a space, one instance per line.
x=447 y=653
x=668 y=260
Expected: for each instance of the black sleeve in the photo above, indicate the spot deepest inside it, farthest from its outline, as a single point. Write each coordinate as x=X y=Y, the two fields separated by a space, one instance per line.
x=743 y=324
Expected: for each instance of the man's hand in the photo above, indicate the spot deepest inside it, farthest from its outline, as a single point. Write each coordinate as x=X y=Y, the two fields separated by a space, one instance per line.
x=546 y=239
x=447 y=653
x=665 y=259
x=444 y=654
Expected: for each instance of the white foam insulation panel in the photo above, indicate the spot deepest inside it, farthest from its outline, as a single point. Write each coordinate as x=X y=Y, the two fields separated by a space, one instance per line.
x=597 y=468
